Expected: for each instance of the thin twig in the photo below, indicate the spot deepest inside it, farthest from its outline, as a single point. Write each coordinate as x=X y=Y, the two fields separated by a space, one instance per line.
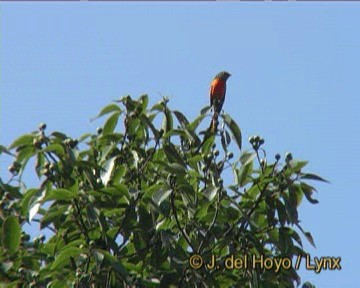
x=183 y=232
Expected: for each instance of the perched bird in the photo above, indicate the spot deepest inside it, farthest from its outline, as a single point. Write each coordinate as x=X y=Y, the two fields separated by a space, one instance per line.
x=217 y=96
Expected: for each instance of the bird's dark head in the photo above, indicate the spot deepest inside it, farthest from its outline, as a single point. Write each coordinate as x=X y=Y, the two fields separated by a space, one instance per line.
x=223 y=75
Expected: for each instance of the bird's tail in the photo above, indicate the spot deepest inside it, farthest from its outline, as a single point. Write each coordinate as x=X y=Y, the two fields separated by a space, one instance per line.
x=214 y=122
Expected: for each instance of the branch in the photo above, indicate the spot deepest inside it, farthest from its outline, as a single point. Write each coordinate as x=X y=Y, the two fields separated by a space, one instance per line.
x=211 y=225
x=183 y=232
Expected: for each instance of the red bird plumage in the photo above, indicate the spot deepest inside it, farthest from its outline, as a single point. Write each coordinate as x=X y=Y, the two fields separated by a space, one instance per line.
x=217 y=96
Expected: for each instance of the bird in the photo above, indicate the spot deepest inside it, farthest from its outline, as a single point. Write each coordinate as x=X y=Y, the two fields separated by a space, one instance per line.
x=217 y=96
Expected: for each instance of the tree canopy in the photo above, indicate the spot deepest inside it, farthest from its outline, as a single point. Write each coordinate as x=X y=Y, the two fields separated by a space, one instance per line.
x=150 y=201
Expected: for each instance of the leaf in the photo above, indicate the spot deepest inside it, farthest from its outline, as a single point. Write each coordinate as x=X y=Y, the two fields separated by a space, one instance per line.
x=181 y=118
x=106 y=110
x=28 y=195
x=205 y=110
x=167 y=122
x=307 y=235
x=202 y=211
x=40 y=159
x=247 y=157
x=105 y=174
x=296 y=194
x=117 y=190
x=3 y=149
x=281 y=212
x=147 y=121
x=296 y=166
x=311 y=176
x=11 y=234
x=158 y=107
x=36 y=203
x=33 y=210
x=159 y=196
x=208 y=144
x=64 y=256
x=309 y=238
x=296 y=237
x=114 y=262
x=54 y=214
x=173 y=155
x=308 y=191
x=243 y=176
x=145 y=101
x=60 y=195
x=59 y=135
x=23 y=140
x=56 y=148
x=83 y=137
x=151 y=190
x=193 y=125
x=111 y=123
x=25 y=153
x=234 y=128
x=210 y=192
x=291 y=210
x=99 y=257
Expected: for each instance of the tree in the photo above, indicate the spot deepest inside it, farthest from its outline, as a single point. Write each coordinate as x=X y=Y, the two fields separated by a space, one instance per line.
x=151 y=207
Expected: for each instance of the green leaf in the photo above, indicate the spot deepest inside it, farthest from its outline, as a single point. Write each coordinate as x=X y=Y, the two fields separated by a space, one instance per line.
x=296 y=237
x=99 y=257
x=63 y=258
x=310 y=238
x=115 y=263
x=60 y=195
x=25 y=153
x=144 y=99
x=311 y=176
x=243 y=176
x=151 y=190
x=247 y=157
x=11 y=234
x=208 y=144
x=210 y=192
x=106 y=110
x=83 y=137
x=308 y=191
x=53 y=214
x=296 y=194
x=181 y=118
x=117 y=190
x=111 y=123
x=291 y=210
x=145 y=119
x=205 y=110
x=106 y=173
x=202 y=211
x=281 y=212
x=167 y=122
x=193 y=125
x=234 y=128
x=173 y=155
x=59 y=135
x=28 y=198
x=296 y=166
x=56 y=148
x=159 y=196
x=3 y=149
x=23 y=140
x=307 y=235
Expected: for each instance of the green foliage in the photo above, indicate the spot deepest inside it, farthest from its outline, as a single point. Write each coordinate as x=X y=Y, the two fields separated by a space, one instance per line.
x=130 y=204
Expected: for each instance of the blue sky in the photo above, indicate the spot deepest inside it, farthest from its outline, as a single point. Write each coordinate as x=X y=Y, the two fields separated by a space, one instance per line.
x=295 y=82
